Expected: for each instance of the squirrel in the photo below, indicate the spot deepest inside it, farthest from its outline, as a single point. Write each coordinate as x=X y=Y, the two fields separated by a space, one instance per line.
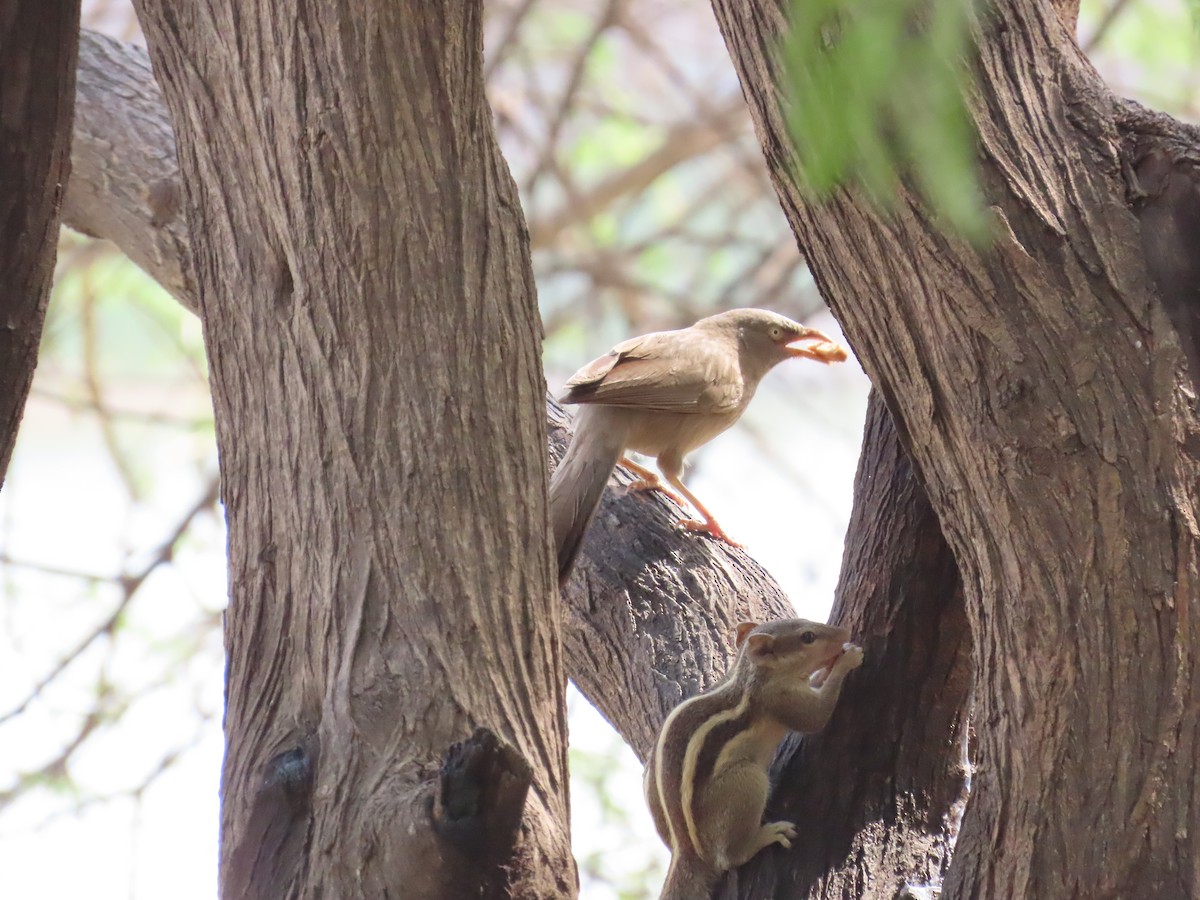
x=706 y=777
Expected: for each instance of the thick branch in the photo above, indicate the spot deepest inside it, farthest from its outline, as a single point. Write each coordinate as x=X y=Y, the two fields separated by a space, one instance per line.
x=38 y=43
x=651 y=612
x=124 y=175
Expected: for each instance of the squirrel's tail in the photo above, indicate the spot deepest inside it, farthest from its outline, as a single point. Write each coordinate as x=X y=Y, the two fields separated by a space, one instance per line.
x=579 y=480
x=688 y=879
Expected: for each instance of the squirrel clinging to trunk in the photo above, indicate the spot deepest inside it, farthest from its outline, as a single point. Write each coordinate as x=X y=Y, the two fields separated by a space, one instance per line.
x=706 y=778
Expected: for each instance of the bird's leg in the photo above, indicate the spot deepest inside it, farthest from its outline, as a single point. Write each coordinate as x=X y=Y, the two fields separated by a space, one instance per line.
x=709 y=525
x=647 y=480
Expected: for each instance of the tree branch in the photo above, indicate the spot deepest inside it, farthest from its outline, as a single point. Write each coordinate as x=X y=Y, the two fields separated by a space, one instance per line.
x=124 y=184
x=651 y=612
x=683 y=142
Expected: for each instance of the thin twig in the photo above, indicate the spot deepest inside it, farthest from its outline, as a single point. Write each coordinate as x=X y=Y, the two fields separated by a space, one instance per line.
x=91 y=379
x=511 y=27
x=129 y=583
x=1106 y=23
x=574 y=81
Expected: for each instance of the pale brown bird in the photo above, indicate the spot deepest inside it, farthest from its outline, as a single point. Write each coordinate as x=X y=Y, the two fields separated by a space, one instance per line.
x=663 y=395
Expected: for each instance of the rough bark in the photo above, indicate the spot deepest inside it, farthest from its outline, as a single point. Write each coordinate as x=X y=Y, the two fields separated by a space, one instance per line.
x=38 y=46
x=370 y=319
x=878 y=794
x=1036 y=386
x=650 y=613
x=1162 y=169
x=124 y=174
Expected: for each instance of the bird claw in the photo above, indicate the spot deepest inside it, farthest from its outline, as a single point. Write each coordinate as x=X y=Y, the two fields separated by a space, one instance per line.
x=648 y=484
x=710 y=528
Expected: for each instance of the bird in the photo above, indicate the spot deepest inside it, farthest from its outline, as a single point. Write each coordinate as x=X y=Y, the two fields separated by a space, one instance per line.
x=663 y=395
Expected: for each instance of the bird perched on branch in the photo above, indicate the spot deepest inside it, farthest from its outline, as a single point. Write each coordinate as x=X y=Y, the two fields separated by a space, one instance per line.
x=663 y=395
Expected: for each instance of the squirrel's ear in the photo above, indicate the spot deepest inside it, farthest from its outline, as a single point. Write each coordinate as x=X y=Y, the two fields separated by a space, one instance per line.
x=761 y=646
x=742 y=630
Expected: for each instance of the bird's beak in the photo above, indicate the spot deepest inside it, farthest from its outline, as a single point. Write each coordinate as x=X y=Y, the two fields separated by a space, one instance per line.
x=826 y=350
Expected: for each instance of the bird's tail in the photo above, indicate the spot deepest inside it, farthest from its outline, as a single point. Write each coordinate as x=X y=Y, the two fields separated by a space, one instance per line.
x=688 y=879
x=578 y=482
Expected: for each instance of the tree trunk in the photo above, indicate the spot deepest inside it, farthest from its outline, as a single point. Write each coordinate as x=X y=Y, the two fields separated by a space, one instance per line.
x=1037 y=387
x=38 y=46
x=370 y=320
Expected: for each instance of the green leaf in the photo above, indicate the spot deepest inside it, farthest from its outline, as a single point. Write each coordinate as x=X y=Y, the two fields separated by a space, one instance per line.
x=874 y=95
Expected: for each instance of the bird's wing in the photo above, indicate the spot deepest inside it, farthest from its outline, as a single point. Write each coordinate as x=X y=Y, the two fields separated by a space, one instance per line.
x=668 y=371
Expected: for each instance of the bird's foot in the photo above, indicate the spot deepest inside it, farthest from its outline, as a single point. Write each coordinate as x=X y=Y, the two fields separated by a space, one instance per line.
x=711 y=528
x=653 y=484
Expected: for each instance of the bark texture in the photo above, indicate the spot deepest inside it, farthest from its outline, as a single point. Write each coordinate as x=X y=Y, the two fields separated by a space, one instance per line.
x=370 y=319
x=38 y=46
x=124 y=174
x=1037 y=386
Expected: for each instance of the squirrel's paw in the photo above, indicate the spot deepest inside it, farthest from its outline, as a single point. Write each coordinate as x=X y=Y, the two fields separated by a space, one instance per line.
x=851 y=658
x=782 y=833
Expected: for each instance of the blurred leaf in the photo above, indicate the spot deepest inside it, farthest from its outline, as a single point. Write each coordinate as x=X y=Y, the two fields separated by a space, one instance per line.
x=614 y=143
x=555 y=29
x=875 y=97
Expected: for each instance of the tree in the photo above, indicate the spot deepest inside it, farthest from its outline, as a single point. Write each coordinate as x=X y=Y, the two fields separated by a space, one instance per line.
x=35 y=140
x=291 y=238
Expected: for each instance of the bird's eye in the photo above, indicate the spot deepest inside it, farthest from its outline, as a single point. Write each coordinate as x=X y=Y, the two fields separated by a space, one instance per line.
x=776 y=332
x=808 y=637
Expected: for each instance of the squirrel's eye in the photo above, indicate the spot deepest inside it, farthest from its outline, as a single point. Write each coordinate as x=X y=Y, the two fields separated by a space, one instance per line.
x=808 y=637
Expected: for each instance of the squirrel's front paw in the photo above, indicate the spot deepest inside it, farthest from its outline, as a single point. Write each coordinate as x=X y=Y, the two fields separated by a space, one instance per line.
x=851 y=658
x=782 y=833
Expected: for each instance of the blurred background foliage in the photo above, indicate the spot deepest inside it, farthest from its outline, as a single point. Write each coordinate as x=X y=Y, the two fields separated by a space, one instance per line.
x=648 y=207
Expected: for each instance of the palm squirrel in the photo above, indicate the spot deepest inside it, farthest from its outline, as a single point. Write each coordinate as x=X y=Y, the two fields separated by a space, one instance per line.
x=706 y=778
